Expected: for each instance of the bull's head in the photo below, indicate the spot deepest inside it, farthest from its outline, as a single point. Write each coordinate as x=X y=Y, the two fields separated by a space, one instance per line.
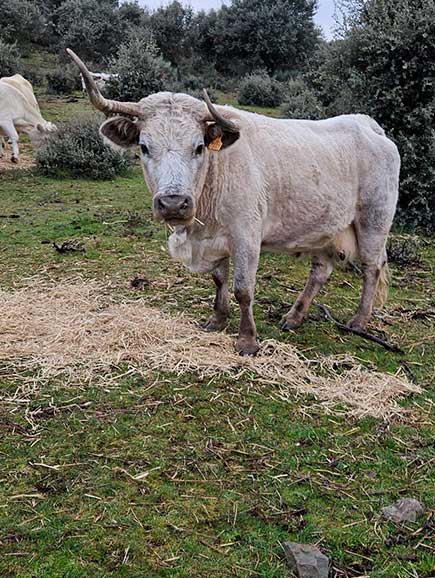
x=174 y=133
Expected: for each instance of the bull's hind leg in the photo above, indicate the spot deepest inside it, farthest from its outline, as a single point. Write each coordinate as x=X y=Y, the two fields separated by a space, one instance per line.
x=9 y=130
x=373 y=257
x=219 y=319
x=321 y=269
x=375 y=214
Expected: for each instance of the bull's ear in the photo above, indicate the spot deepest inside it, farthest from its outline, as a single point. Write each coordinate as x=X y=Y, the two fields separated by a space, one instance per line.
x=217 y=138
x=121 y=131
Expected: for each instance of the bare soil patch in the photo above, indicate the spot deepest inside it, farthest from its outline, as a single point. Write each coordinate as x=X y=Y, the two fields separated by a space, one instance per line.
x=82 y=330
x=27 y=160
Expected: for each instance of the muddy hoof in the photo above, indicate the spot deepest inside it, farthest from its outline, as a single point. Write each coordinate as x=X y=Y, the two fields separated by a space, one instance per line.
x=287 y=324
x=214 y=324
x=357 y=324
x=247 y=347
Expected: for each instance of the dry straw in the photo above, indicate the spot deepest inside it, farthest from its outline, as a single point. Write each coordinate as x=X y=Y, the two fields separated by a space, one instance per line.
x=80 y=330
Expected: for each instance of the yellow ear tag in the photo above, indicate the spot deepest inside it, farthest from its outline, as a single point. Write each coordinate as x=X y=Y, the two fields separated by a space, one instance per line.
x=216 y=144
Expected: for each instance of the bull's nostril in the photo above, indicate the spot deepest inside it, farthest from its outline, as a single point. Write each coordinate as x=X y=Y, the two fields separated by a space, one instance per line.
x=160 y=204
x=184 y=204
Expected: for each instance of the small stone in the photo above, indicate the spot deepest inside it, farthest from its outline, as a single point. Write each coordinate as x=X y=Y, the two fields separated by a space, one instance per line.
x=404 y=510
x=306 y=561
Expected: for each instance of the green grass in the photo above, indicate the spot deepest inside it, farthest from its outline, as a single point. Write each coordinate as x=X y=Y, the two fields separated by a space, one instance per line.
x=232 y=472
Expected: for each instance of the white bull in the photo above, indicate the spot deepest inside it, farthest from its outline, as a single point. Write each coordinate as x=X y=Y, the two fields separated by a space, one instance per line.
x=234 y=183
x=20 y=113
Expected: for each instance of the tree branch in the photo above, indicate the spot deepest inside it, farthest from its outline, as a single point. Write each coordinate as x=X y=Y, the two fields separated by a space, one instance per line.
x=359 y=332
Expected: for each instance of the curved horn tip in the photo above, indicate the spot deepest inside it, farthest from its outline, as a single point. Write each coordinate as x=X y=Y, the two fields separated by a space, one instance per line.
x=71 y=53
x=77 y=61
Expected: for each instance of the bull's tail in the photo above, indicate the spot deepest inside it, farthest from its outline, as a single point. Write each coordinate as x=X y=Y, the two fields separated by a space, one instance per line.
x=381 y=294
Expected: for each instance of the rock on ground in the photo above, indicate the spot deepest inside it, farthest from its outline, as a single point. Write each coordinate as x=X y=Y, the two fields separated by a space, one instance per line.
x=404 y=510
x=306 y=561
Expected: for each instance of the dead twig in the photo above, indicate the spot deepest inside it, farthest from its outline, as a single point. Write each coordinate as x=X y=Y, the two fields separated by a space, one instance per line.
x=69 y=247
x=359 y=332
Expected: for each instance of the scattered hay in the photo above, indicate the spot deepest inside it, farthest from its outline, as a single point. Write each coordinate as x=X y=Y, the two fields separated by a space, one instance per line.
x=79 y=331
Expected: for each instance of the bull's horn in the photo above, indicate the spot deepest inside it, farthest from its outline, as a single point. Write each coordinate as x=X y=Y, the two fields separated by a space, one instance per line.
x=97 y=99
x=219 y=118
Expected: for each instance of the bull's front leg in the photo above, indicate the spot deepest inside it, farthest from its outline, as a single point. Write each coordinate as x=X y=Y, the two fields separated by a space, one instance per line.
x=221 y=311
x=245 y=271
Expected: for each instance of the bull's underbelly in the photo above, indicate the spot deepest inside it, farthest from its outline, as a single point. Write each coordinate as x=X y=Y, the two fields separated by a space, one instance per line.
x=308 y=225
x=296 y=247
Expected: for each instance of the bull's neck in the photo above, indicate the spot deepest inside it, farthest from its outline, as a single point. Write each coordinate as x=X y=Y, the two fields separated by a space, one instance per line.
x=209 y=200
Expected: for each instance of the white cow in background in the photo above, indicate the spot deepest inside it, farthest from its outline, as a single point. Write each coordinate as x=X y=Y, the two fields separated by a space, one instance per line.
x=20 y=113
x=100 y=78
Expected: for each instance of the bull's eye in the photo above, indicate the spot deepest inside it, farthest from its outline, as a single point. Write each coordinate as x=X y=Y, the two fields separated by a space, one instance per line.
x=199 y=150
x=144 y=149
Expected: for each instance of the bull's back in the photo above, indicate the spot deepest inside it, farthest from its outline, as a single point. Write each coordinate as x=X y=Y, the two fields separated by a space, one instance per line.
x=315 y=173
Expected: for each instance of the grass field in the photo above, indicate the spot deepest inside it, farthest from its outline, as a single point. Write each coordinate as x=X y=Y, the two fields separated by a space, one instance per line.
x=162 y=476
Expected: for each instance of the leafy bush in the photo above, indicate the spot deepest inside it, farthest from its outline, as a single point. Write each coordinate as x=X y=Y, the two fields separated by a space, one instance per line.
x=33 y=74
x=260 y=89
x=9 y=59
x=301 y=102
x=384 y=66
x=63 y=80
x=140 y=70
x=78 y=150
x=404 y=250
x=193 y=85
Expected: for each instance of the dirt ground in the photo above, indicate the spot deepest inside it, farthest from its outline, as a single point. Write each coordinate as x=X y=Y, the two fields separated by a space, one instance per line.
x=26 y=161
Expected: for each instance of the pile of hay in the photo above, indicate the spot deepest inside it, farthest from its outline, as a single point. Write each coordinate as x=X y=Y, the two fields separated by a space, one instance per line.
x=80 y=331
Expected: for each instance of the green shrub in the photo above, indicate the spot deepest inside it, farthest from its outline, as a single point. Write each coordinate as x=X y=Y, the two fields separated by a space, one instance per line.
x=9 y=59
x=140 y=70
x=63 y=80
x=384 y=66
x=404 y=250
x=260 y=89
x=301 y=102
x=33 y=74
x=77 y=150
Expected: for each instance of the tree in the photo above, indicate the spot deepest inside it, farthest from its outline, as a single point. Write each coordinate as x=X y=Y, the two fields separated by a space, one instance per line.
x=21 y=21
x=170 y=27
x=202 y=36
x=133 y=16
x=385 y=66
x=91 y=27
x=273 y=34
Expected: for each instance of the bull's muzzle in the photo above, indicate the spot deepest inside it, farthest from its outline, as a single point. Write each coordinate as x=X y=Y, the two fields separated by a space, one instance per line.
x=174 y=209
